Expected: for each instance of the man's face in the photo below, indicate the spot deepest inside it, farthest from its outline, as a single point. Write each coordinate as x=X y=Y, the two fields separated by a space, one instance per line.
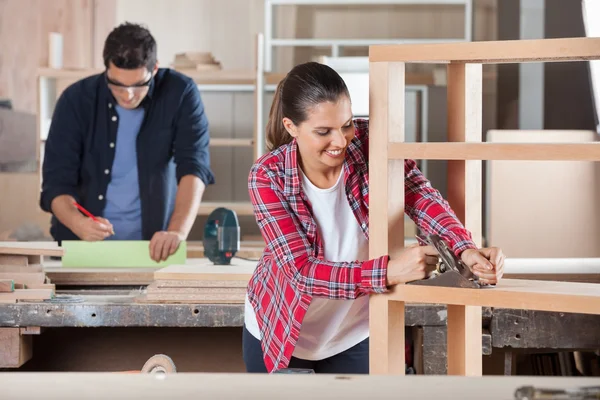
x=129 y=86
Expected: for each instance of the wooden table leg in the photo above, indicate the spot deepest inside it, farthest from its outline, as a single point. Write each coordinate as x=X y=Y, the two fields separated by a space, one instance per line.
x=464 y=341
x=386 y=342
x=15 y=349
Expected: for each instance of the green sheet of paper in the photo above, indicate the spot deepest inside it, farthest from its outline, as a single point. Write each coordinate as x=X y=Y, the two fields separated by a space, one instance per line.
x=116 y=253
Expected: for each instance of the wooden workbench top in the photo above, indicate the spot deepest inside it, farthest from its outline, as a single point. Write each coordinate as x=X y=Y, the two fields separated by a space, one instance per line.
x=64 y=386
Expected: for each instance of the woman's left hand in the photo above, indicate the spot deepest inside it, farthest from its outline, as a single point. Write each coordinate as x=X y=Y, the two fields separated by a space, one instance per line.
x=486 y=263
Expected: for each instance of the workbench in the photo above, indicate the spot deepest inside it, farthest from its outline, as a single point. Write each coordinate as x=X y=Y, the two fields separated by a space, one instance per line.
x=100 y=310
x=115 y=307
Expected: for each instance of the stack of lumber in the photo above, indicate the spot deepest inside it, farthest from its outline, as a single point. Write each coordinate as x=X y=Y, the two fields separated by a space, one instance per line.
x=200 y=283
x=197 y=61
x=22 y=276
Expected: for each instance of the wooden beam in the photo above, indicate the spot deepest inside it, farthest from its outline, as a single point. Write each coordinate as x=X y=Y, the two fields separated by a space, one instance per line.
x=490 y=52
x=496 y=151
x=520 y=294
x=15 y=349
x=465 y=198
x=386 y=210
x=31 y=248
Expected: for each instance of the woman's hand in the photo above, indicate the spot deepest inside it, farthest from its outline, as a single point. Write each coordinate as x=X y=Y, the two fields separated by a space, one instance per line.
x=413 y=263
x=486 y=263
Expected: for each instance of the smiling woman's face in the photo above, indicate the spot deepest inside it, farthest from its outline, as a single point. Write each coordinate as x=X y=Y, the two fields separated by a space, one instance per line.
x=324 y=136
x=129 y=86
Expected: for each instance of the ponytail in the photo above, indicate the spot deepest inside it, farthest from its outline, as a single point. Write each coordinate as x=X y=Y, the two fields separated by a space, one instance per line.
x=277 y=135
x=304 y=87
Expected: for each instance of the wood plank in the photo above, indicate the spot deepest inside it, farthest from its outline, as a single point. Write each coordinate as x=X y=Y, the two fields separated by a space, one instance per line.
x=27 y=278
x=584 y=278
x=15 y=349
x=200 y=283
x=100 y=276
x=465 y=197
x=386 y=211
x=28 y=294
x=7 y=285
x=464 y=341
x=490 y=52
x=21 y=269
x=519 y=294
x=568 y=233
x=496 y=151
x=225 y=291
x=31 y=248
x=13 y=260
x=239 y=271
x=191 y=298
x=30 y=330
x=228 y=386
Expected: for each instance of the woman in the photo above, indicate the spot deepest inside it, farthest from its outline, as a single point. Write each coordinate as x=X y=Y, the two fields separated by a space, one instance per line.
x=307 y=302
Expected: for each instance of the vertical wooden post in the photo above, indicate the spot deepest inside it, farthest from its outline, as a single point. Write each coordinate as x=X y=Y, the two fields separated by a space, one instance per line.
x=465 y=197
x=386 y=210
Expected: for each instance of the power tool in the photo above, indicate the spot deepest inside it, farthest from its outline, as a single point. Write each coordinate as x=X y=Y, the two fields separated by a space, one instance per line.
x=221 y=236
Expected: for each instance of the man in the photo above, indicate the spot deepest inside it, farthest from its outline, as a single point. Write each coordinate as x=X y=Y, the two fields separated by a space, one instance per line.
x=130 y=145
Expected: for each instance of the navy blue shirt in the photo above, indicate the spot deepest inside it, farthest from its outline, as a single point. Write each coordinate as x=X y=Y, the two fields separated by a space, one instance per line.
x=80 y=149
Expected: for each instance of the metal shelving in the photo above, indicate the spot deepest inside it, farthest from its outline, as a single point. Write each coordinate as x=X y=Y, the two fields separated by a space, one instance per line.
x=337 y=44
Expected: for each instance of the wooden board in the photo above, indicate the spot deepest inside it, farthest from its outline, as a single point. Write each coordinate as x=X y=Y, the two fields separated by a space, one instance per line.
x=31 y=248
x=496 y=151
x=26 y=278
x=465 y=198
x=518 y=294
x=200 y=283
x=491 y=52
x=225 y=386
x=15 y=349
x=7 y=285
x=240 y=270
x=100 y=276
x=386 y=211
x=516 y=222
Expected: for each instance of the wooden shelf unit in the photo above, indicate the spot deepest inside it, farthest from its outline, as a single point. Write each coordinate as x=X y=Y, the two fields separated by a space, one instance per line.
x=465 y=154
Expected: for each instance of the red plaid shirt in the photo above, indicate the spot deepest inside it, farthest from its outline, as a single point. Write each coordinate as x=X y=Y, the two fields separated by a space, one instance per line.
x=292 y=269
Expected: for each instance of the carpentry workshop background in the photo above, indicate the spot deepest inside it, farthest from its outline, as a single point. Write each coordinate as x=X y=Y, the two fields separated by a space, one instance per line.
x=85 y=308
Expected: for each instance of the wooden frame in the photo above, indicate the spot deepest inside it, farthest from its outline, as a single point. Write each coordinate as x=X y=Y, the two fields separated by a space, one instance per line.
x=464 y=65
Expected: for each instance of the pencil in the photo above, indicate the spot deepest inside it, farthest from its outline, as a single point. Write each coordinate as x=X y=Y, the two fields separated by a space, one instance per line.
x=89 y=214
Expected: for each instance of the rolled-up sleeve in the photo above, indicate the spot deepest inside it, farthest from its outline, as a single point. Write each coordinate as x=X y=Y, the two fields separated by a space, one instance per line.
x=192 y=155
x=62 y=153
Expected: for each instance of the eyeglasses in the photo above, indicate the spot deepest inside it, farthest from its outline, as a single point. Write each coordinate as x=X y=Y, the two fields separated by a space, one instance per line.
x=120 y=88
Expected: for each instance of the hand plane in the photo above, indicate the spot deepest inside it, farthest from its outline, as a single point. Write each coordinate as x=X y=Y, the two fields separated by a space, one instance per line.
x=450 y=271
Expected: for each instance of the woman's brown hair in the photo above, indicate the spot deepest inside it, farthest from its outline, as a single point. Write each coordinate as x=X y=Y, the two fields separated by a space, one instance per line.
x=304 y=87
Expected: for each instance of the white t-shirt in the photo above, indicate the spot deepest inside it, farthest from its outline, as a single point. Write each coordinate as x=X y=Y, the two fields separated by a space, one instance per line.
x=330 y=326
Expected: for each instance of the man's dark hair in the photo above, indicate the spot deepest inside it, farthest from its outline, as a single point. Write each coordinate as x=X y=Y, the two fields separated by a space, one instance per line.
x=130 y=46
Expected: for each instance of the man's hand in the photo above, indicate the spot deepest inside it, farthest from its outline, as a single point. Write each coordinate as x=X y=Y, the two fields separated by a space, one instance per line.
x=486 y=263
x=163 y=244
x=89 y=230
